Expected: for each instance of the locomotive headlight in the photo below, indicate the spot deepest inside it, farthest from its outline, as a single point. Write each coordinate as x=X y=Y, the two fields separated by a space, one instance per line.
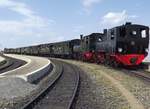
x=146 y=49
x=120 y=50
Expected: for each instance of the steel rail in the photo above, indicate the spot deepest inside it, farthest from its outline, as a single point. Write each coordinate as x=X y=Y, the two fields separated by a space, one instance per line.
x=35 y=100
x=31 y=103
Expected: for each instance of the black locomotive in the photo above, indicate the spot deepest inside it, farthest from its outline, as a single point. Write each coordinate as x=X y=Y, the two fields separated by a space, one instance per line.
x=122 y=45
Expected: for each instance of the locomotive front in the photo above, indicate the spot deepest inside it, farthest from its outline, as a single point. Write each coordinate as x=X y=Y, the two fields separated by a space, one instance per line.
x=132 y=43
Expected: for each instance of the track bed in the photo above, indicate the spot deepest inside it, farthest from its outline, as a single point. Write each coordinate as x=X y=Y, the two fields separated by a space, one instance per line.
x=59 y=95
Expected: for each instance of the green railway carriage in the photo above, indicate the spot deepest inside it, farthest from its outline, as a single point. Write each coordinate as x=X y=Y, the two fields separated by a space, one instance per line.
x=44 y=49
x=34 y=50
x=64 y=49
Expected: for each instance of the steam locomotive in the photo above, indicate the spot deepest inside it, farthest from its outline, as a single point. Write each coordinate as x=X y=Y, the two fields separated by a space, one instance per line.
x=122 y=45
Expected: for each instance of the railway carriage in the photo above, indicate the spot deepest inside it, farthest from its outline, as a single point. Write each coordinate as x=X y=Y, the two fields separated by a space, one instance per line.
x=22 y=50
x=65 y=49
x=44 y=49
x=18 y=50
x=35 y=50
x=6 y=50
x=61 y=49
x=27 y=50
x=11 y=50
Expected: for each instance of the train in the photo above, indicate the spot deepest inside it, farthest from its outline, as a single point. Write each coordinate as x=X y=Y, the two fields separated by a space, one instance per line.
x=124 y=45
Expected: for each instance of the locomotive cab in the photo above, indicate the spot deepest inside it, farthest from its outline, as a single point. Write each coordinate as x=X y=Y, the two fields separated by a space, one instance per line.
x=132 y=42
x=89 y=44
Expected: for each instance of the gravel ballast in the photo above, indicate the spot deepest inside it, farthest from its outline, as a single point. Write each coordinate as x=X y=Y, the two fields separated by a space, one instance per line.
x=12 y=90
x=14 y=87
x=98 y=95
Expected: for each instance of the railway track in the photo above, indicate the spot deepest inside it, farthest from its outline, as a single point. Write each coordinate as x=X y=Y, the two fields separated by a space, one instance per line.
x=141 y=74
x=138 y=73
x=11 y=64
x=59 y=93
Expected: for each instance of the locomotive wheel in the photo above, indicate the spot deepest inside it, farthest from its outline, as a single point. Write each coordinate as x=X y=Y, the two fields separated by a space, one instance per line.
x=97 y=61
x=111 y=63
x=106 y=62
x=83 y=58
x=115 y=64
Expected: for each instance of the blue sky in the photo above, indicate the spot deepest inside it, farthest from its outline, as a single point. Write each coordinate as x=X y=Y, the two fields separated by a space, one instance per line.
x=31 y=22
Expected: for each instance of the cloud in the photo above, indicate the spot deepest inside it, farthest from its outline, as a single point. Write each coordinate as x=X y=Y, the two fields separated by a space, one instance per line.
x=89 y=3
x=31 y=26
x=115 y=18
x=17 y=7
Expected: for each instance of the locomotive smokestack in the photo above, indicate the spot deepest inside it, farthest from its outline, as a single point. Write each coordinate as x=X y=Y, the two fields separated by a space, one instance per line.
x=105 y=31
x=81 y=36
x=128 y=23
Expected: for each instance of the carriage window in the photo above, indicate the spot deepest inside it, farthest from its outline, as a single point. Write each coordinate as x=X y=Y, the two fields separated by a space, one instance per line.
x=143 y=33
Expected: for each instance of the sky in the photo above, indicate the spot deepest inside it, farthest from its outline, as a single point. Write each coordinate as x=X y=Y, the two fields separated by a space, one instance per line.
x=32 y=22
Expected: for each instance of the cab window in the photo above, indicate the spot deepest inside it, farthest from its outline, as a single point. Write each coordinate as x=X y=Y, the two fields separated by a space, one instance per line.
x=143 y=33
